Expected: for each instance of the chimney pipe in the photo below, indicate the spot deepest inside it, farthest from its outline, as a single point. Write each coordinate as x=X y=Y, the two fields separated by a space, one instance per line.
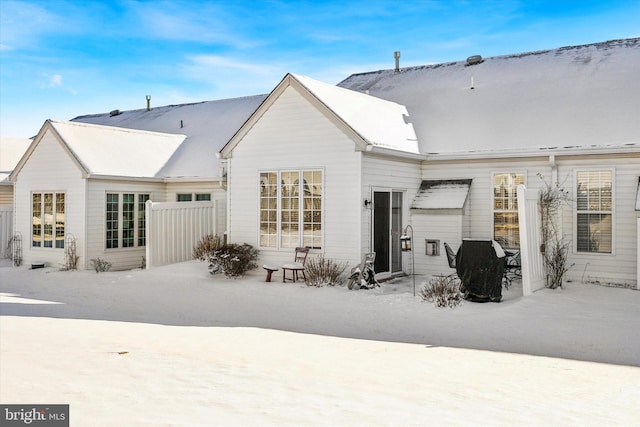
x=396 y=55
x=148 y=102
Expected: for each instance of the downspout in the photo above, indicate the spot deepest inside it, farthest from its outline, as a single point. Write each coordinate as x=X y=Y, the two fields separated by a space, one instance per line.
x=228 y=207
x=554 y=170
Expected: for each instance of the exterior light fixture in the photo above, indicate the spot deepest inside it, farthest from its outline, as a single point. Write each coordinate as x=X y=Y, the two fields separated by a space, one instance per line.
x=405 y=244
x=405 y=240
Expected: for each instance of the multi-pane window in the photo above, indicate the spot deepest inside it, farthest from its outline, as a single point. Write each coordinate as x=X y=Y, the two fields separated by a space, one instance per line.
x=291 y=209
x=269 y=209
x=48 y=220
x=113 y=206
x=188 y=197
x=142 y=219
x=505 y=209
x=125 y=220
x=128 y=220
x=594 y=211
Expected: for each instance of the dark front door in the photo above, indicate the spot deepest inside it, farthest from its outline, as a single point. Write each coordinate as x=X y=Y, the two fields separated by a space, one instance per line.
x=387 y=228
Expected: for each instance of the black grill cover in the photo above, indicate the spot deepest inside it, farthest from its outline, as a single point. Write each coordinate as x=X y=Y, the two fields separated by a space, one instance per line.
x=480 y=270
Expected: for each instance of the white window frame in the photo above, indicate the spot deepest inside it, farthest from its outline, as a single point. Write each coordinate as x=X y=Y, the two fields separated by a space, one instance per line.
x=612 y=212
x=194 y=197
x=493 y=209
x=300 y=222
x=54 y=215
x=136 y=220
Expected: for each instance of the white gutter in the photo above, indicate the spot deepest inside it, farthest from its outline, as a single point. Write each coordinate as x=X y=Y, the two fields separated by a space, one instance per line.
x=124 y=178
x=376 y=149
x=631 y=148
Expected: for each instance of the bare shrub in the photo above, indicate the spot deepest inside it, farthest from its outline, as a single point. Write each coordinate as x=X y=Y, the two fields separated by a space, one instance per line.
x=207 y=245
x=100 y=265
x=443 y=291
x=321 y=271
x=70 y=254
x=555 y=246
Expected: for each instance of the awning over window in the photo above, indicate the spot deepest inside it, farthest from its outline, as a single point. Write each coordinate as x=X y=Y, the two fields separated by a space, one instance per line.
x=638 y=196
x=442 y=194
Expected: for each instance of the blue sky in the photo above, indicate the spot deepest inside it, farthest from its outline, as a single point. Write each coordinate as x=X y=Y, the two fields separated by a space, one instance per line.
x=61 y=59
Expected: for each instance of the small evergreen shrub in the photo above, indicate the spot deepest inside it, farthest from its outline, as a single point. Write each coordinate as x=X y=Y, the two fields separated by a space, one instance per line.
x=100 y=265
x=321 y=271
x=443 y=291
x=232 y=259
x=235 y=260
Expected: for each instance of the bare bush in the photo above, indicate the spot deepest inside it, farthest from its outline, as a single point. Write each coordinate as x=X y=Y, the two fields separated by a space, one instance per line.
x=555 y=246
x=208 y=244
x=443 y=291
x=71 y=257
x=321 y=271
x=100 y=265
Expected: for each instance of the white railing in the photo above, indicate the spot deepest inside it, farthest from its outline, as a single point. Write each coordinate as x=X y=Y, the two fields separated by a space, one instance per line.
x=533 y=274
x=173 y=229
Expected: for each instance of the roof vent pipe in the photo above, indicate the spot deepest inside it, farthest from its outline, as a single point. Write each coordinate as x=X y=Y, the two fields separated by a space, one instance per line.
x=148 y=102
x=396 y=55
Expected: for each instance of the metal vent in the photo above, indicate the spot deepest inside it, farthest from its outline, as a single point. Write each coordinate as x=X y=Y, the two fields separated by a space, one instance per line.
x=473 y=60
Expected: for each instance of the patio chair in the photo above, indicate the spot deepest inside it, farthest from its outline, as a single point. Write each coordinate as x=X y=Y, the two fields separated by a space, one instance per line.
x=297 y=266
x=363 y=275
x=512 y=267
x=451 y=258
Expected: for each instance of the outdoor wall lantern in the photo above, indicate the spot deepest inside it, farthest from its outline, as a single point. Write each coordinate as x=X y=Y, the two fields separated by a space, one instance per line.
x=405 y=240
x=405 y=244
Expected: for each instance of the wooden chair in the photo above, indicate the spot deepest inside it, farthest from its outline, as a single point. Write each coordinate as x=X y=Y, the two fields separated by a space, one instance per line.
x=297 y=266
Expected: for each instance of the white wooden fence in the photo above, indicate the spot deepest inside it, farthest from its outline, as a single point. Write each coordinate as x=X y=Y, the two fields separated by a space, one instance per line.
x=6 y=228
x=173 y=229
x=533 y=274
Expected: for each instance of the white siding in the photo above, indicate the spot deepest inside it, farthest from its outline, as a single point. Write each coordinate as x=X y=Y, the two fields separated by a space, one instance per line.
x=120 y=258
x=50 y=169
x=293 y=134
x=619 y=268
x=443 y=227
x=383 y=173
x=218 y=194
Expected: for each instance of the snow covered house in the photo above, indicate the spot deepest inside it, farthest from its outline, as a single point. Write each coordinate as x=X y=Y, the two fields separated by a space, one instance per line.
x=344 y=169
x=83 y=179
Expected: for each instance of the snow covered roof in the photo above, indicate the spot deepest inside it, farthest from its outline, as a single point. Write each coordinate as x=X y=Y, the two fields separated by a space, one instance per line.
x=112 y=151
x=379 y=122
x=442 y=194
x=208 y=126
x=11 y=150
x=566 y=98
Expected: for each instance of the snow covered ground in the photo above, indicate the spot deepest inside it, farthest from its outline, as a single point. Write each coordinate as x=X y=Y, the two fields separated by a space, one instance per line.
x=176 y=346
